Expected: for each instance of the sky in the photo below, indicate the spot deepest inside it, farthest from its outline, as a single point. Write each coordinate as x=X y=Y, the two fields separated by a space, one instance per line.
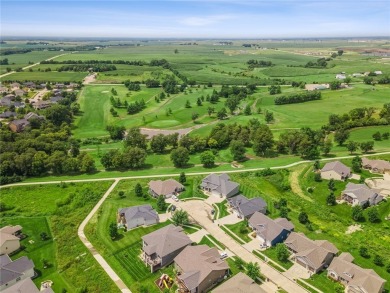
x=195 y=19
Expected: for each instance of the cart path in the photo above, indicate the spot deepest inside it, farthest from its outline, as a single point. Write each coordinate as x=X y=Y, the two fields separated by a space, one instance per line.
x=106 y=267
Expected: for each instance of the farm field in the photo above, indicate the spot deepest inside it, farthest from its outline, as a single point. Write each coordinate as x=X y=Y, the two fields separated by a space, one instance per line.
x=40 y=76
x=57 y=210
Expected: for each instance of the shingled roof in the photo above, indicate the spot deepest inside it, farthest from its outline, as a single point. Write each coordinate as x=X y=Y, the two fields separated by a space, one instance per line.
x=10 y=270
x=362 y=193
x=165 y=187
x=220 y=183
x=165 y=240
x=240 y=283
x=267 y=228
x=145 y=212
x=337 y=167
x=197 y=262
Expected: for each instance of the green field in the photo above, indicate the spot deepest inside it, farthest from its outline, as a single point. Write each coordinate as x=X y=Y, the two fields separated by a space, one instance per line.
x=65 y=76
x=57 y=210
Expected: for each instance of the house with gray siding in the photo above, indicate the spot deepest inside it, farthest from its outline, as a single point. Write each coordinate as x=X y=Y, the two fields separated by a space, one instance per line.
x=15 y=271
x=220 y=185
x=132 y=217
x=160 y=247
x=360 y=194
x=244 y=207
x=270 y=232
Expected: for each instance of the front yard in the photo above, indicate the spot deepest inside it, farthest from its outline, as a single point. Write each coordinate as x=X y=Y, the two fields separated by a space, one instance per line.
x=240 y=230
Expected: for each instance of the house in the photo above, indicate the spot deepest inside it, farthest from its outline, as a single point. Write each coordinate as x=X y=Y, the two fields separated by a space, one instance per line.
x=378 y=72
x=199 y=268
x=335 y=170
x=132 y=217
x=18 y=125
x=353 y=277
x=3 y=90
x=360 y=194
x=160 y=247
x=167 y=187
x=270 y=232
x=316 y=87
x=15 y=85
x=376 y=166
x=18 y=104
x=9 y=240
x=30 y=85
x=244 y=208
x=8 y=114
x=6 y=101
x=340 y=76
x=240 y=283
x=32 y=115
x=19 y=93
x=220 y=185
x=12 y=272
x=56 y=99
x=39 y=105
x=313 y=255
x=26 y=286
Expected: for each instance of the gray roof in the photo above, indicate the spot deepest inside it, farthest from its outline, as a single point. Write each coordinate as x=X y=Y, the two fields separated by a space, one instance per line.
x=267 y=228
x=165 y=240
x=197 y=263
x=367 y=280
x=247 y=206
x=10 y=270
x=239 y=283
x=337 y=167
x=56 y=99
x=8 y=114
x=220 y=183
x=20 y=122
x=32 y=115
x=26 y=286
x=362 y=193
x=165 y=187
x=144 y=211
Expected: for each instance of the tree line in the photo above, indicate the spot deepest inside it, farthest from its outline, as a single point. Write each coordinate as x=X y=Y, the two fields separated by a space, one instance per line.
x=298 y=98
x=101 y=67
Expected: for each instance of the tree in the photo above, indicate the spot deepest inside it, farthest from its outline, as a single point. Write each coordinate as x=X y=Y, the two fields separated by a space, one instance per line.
x=331 y=199
x=253 y=270
x=283 y=212
x=237 y=149
x=210 y=110
x=335 y=85
x=378 y=260
x=377 y=136
x=182 y=178
x=44 y=236
x=176 y=51
x=188 y=104
x=352 y=146
x=282 y=252
x=248 y=110
x=303 y=218
x=158 y=143
x=194 y=116
x=348 y=80
x=331 y=185
x=121 y=194
x=239 y=262
x=133 y=158
x=263 y=140
x=363 y=251
x=113 y=230
x=386 y=135
x=58 y=114
x=367 y=146
x=316 y=165
x=199 y=102
x=138 y=190
x=207 y=158
x=341 y=135
x=373 y=215
x=327 y=147
x=357 y=213
x=180 y=156
x=116 y=132
x=232 y=103
x=340 y=52
x=161 y=203
x=317 y=177
x=368 y=80
x=87 y=163
x=135 y=138
x=180 y=218
x=222 y=114
x=357 y=164
x=269 y=117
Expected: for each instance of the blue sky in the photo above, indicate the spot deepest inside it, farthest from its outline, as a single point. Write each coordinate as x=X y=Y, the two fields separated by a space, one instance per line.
x=196 y=19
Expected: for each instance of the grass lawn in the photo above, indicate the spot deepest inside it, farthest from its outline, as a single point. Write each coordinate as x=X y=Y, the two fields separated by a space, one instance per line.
x=322 y=282
x=223 y=212
x=236 y=229
x=57 y=210
x=39 y=76
x=271 y=254
x=209 y=239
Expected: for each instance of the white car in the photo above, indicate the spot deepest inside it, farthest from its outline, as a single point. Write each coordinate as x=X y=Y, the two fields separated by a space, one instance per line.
x=175 y=198
x=223 y=255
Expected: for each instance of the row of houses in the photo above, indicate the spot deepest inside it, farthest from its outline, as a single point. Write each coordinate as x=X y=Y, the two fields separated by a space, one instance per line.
x=16 y=275
x=342 y=75
x=32 y=85
x=18 y=125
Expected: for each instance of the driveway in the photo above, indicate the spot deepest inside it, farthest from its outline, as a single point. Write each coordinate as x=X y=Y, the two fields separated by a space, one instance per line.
x=164 y=217
x=297 y=271
x=214 y=199
x=252 y=245
x=198 y=235
x=231 y=219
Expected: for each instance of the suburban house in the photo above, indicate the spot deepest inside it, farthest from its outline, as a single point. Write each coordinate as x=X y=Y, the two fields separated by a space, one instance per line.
x=244 y=208
x=220 y=185
x=32 y=115
x=30 y=85
x=313 y=255
x=360 y=194
x=199 y=268
x=15 y=85
x=335 y=170
x=9 y=240
x=160 y=247
x=376 y=166
x=8 y=114
x=316 y=87
x=19 y=93
x=270 y=232
x=167 y=188
x=340 y=76
x=56 y=99
x=39 y=105
x=239 y=283
x=353 y=277
x=3 y=90
x=132 y=217
x=26 y=286
x=18 y=125
x=12 y=272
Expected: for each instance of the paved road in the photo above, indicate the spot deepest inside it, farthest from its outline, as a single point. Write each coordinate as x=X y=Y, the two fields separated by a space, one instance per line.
x=35 y=64
x=198 y=211
x=90 y=247
x=187 y=174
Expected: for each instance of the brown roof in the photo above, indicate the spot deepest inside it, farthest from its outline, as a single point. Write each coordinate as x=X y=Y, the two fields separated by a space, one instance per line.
x=366 y=280
x=197 y=262
x=165 y=187
x=376 y=164
x=10 y=229
x=267 y=228
x=337 y=167
x=240 y=283
x=165 y=240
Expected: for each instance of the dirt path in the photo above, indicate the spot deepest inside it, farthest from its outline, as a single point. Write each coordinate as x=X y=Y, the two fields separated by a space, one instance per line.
x=294 y=183
x=90 y=78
